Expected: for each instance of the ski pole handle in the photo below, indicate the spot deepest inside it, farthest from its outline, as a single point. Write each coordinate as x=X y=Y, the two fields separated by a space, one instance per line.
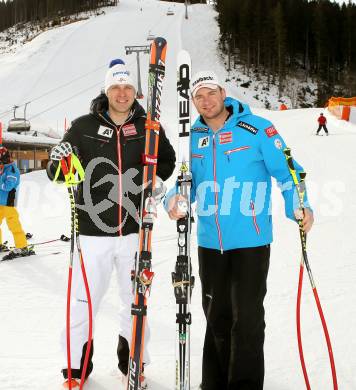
x=72 y=170
x=299 y=184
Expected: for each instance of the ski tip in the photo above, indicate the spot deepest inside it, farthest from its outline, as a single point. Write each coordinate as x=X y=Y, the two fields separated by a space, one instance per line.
x=183 y=52
x=159 y=41
x=158 y=50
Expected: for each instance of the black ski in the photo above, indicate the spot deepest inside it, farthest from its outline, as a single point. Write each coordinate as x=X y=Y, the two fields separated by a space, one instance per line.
x=183 y=281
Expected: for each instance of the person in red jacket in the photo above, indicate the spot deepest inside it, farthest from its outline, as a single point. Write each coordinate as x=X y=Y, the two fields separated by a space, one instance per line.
x=322 y=124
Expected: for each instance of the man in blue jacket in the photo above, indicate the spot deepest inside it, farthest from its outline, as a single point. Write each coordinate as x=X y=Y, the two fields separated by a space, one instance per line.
x=9 y=181
x=234 y=155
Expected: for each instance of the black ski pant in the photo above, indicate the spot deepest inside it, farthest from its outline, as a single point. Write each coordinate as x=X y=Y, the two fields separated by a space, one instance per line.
x=233 y=290
x=322 y=127
x=123 y=352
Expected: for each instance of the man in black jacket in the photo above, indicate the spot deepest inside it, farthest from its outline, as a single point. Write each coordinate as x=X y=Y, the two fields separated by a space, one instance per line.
x=110 y=142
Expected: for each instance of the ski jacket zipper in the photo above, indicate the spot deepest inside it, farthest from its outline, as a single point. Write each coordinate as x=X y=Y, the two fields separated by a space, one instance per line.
x=216 y=197
x=254 y=217
x=229 y=152
x=118 y=145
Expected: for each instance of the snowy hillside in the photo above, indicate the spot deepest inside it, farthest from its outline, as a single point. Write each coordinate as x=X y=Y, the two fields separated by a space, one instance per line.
x=70 y=63
x=59 y=72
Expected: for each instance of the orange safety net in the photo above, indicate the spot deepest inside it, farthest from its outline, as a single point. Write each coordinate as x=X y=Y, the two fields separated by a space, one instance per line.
x=340 y=107
x=340 y=101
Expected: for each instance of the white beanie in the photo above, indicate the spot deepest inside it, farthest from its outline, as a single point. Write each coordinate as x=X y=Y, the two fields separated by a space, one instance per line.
x=117 y=75
x=203 y=79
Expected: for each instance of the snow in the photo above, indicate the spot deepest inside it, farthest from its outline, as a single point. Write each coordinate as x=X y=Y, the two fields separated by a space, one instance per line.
x=29 y=139
x=71 y=62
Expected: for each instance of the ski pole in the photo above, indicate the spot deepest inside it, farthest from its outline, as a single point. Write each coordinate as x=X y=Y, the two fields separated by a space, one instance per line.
x=300 y=186
x=74 y=174
x=63 y=238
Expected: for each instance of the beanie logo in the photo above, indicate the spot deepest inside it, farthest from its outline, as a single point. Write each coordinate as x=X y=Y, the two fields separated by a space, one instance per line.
x=202 y=79
x=121 y=79
x=121 y=72
x=105 y=131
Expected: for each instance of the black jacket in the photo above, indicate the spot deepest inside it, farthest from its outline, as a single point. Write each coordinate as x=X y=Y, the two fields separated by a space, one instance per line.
x=109 y=198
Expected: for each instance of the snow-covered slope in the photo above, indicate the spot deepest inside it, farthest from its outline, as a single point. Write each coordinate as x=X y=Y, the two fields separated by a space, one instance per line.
x=72 y=60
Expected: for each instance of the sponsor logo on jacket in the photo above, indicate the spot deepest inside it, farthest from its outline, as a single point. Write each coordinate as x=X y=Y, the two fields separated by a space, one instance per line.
x=248 y=127
x=278 y=143
x=200 y=129
x=129 y=129
x=225 y=138
x=271 y=131
x=105 y=131
x=203 y=142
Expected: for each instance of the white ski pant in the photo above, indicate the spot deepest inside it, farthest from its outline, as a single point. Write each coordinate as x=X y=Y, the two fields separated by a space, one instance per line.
x=101 y=255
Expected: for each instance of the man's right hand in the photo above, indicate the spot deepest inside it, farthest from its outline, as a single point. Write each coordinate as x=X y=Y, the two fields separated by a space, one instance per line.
x=177 y=207
x=60 y=151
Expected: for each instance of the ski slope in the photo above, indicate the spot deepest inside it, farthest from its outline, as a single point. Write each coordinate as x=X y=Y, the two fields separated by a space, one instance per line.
x=72 y=61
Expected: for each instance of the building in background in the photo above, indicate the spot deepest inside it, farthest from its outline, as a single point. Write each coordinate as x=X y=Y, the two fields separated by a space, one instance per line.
x=29 y=153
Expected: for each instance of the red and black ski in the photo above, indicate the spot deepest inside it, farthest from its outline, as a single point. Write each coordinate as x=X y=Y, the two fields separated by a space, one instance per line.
x=143 y=274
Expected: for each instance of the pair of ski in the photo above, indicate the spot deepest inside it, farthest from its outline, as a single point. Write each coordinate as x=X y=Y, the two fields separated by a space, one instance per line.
x=143 y=275
x=181 y=278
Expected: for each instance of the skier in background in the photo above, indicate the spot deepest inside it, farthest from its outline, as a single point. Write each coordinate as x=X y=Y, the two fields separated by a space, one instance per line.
x=322 y=124
x=9 y=182
x=110 y=142
x=234 y=155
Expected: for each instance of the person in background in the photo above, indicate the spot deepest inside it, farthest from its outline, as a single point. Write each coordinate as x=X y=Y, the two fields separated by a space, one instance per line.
x=110 y=142
x=234 y=156
x=322 y=124
x=9 y=183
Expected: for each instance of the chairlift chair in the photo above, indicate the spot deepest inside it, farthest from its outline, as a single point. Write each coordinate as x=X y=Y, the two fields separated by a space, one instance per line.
x=19 y=125
x=150 y=36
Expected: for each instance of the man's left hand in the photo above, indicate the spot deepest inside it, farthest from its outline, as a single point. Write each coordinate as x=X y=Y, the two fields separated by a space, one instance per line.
x=307 y=218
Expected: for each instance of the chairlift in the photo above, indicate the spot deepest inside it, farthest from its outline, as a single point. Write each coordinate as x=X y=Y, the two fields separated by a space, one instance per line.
x=170 y=12
x=19 y=125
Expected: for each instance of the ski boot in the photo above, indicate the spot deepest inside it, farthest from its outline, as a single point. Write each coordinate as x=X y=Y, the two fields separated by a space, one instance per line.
x=19 y=252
